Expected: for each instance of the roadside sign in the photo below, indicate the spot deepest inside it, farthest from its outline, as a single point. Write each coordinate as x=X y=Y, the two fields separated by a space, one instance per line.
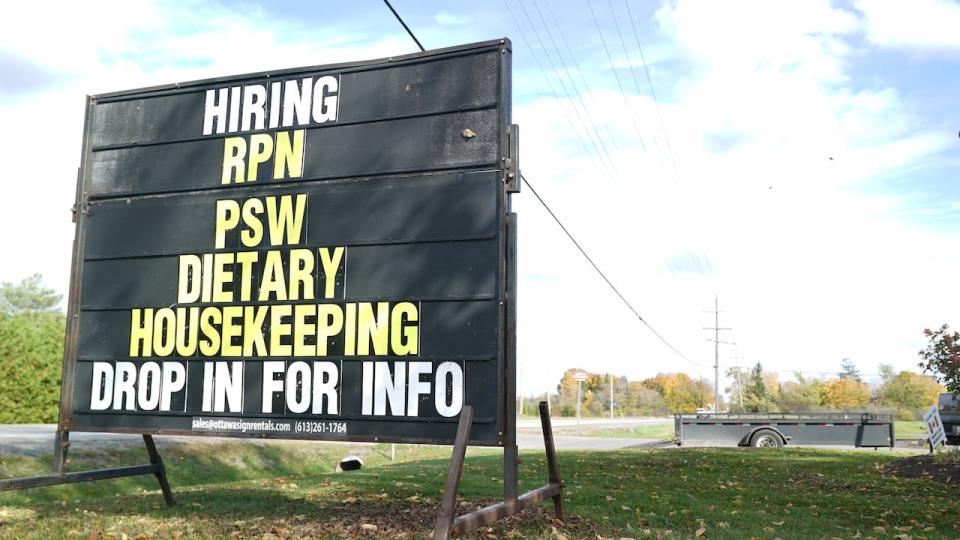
x=580 y=376
x=935 y=432
x=317 y=252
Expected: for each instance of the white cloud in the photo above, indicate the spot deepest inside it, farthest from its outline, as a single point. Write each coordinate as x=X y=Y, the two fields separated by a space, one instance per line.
x=140 y=44
x=930 y=25
x=810 y=270
x=445 y=18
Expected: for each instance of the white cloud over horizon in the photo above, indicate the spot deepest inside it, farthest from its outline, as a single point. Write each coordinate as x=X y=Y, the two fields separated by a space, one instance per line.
x=774 y=136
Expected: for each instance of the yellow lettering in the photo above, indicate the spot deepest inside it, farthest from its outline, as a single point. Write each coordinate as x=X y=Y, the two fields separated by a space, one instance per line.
x=301 y=273
x=246 y=259
x=141 y=332
x=231 y=330
x=350 y=331
x=288 y=156
x=253 y=234
x=331 y=264
x=187 y=331
x=273 y=281
x=207 y=277
x=373 y=328
x=261 y=149
x=285 y=222
x=210 y=345
x=221 y=277
x=253 y=319
x=279 y=329
x=188 y=277
x=302 y=329
x=163 y=332
x=329 y=324
x=227 y=217
x=404 y=337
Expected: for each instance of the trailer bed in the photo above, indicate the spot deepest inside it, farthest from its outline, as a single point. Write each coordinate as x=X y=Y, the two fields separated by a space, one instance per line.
x=829 y=429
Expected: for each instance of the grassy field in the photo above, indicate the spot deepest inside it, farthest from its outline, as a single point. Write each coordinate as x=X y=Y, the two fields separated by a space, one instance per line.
x=289 y=490
x=910 y=429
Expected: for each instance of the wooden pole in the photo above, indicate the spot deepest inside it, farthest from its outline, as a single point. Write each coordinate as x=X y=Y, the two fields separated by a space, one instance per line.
x=441 y=531
x=552 y=469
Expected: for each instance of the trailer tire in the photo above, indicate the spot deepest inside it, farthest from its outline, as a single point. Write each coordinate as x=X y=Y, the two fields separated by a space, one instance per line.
x=766 y=438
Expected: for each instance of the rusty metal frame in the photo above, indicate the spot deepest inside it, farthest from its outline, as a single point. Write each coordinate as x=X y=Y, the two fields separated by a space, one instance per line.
x=447 y=521
x=61 y=476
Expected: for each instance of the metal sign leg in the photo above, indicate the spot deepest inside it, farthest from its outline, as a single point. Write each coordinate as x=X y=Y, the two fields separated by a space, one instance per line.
x=552 y=469
x=161 y=472
x=441 y=531
x=61 y=476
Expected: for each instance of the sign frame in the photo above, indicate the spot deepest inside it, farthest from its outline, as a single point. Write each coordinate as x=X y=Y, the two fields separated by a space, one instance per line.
x=505 y=167
x=934 y=426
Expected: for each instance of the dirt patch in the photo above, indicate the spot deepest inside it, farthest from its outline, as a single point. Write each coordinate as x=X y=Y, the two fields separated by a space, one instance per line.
x=944 y=468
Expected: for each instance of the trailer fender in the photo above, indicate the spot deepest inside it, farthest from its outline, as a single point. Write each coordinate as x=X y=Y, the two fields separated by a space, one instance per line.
x=746 y=440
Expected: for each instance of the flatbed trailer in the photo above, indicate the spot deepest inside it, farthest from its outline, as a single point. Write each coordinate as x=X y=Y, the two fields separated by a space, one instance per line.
x=774 y=430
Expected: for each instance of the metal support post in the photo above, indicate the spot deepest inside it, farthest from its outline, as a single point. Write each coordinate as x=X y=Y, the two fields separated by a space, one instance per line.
x=552 y=469
x=448 y=507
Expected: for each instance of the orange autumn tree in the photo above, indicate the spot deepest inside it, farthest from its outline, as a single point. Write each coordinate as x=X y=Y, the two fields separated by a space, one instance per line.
x=845 y=394
x=680 y=392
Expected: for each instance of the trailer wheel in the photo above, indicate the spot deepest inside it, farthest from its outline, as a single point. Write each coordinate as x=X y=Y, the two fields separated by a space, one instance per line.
x=766 y=438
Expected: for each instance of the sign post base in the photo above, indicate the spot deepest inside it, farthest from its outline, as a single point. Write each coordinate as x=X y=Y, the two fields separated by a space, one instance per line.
x=61 y=476
x=447 y=522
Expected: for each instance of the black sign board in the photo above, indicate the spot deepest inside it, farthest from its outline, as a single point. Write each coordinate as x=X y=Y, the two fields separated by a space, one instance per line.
x=314 y=253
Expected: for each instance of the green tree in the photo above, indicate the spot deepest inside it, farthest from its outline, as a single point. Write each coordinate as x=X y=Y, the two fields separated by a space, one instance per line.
x=758 y=395
x=28 y=296
x=848 y=370
x=909 y=393
x=887 y=372
x=941 y=357
x=801 y=394
x=31 y=352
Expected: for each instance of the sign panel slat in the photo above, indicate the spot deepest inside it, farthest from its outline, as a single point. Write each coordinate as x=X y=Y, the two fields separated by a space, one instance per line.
x=312 y=253
x=376 y=272
x=457 y=206
x=388 y=90
x=411 y=144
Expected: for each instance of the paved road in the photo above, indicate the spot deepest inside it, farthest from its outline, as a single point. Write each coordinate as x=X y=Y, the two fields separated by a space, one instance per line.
x=594 y=422
x=38 y=439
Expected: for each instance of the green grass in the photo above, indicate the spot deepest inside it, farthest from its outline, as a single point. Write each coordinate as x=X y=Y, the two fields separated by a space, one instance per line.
x=910 y=429
x=290 y=490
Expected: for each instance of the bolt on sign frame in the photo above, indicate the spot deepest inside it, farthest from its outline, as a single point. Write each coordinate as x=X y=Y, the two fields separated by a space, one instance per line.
x=321 y=253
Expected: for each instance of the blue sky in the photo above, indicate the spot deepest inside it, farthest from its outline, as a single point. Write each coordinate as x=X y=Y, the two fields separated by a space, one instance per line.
x=816 y=149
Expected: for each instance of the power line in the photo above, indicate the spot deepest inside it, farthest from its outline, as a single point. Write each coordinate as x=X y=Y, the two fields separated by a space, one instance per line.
x=626 y=103
x=656 y=103
x=604 y=276
x=596 y=155
x=574 y=240
x=573 y=83
x=405 y=27
x=653 y=92
x=623 y=94
x=563 y=85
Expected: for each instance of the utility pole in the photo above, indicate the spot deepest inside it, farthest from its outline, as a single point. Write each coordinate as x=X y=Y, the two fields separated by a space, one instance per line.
x=579 y=395
x=736 y=360
x=716 y=352
x=611 y=395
